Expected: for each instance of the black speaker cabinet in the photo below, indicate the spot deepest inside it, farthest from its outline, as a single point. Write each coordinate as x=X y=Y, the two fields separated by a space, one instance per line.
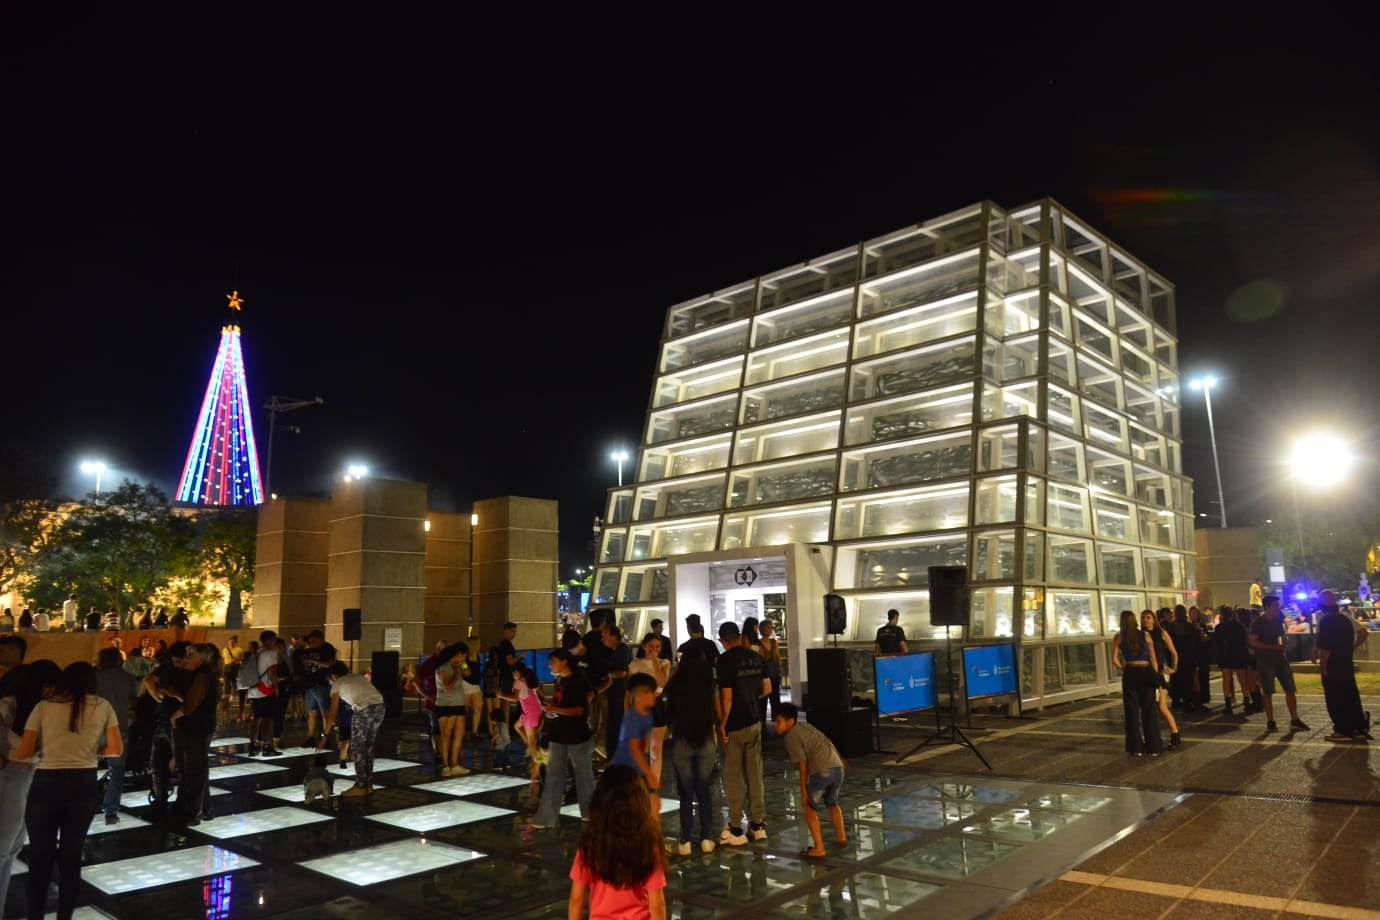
x=949 y=595
x=354 y=625
x=827 y=670
x=383 y=667
x=849 y=729
x=835 y=615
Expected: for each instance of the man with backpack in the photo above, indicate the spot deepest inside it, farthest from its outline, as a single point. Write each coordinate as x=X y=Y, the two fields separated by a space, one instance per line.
x=259 y=676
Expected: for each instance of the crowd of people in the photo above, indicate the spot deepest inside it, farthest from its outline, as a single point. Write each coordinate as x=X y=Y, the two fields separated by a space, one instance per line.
x=1166 y=659
x=69 y=618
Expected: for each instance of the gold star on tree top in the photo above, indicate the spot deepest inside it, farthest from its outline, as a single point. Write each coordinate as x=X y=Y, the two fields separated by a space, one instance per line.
x=235 y=300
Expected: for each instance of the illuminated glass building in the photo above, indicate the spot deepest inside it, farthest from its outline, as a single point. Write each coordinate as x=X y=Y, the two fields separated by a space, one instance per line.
x=992 y=388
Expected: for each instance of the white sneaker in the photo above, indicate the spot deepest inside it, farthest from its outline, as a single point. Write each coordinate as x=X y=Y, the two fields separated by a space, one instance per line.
x=683 y=848
x=706 y=845
x=758 y=832
x=730 y=839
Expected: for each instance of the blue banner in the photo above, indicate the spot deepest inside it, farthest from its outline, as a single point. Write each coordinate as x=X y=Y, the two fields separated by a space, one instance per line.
x=989 y=670
x=905 y=683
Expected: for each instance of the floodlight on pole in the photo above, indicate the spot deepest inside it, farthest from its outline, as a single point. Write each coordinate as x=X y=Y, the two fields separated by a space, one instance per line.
x=1320 y=460
x=97 y=467
x=277 y=405
x=619 y=457
x=1206 y=384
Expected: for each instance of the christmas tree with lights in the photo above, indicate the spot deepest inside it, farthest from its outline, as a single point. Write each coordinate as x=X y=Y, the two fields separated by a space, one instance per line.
x=222 y=465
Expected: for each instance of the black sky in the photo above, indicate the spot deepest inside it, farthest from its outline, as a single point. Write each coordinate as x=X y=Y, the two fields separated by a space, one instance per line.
x=464 y=232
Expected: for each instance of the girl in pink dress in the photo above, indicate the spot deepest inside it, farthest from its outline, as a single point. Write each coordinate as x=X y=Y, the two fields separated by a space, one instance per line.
x=527 y=694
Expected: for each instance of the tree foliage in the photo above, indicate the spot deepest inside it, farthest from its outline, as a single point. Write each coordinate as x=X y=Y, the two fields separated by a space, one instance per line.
x=117 y=552
x=25 y=529
x=1325 y=540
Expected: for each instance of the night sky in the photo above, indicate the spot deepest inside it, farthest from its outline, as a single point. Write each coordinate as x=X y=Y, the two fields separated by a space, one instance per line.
x=464 y=233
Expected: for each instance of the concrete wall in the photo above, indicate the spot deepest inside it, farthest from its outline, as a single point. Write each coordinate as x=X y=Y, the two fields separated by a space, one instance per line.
x=516 y=566
x=448 y=601
x=290 y=566
x=1228 y=561
x=377 y=563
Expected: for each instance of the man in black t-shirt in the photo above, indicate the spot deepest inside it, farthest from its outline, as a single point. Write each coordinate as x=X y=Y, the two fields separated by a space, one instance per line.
x=505 y=654
x=659 y=629
x=167 y=683
x=595 y=663
x=697 y=645
x=743 y=681
x=1334 y=650
x=316 y=660
x=568 y=728
x=891 y=638
x=619 y=659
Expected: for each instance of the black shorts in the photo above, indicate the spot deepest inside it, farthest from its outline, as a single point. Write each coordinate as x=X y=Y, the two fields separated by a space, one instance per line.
x=262 y=707
x=449 y=712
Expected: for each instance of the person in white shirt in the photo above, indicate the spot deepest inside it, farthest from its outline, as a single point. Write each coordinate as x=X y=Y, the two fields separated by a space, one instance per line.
x=69 y=612
x=263 y=666
x=368 y=706
x=41 y=620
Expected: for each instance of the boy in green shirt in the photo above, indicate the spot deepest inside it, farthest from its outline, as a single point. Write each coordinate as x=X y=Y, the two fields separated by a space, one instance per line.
x=821 y=774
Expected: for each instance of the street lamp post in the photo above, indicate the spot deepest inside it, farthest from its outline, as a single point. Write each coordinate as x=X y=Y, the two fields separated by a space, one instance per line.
x=94 y=466
x=1206 y=384
x=1320 y=460
x=620 y=457
x=277 y=405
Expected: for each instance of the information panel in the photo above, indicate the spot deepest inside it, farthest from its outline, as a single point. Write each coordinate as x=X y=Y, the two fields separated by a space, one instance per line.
x=905 y=683
x=989 y=670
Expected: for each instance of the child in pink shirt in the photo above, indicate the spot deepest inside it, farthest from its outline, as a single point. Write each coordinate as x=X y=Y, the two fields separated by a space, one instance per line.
x=619 y=860
x=526 y=693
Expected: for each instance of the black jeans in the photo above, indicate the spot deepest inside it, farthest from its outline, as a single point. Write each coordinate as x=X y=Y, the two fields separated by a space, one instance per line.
x=58 y=814
x=1343 y=700
x=1138 y=685
x=160 y=761
x=194 y=788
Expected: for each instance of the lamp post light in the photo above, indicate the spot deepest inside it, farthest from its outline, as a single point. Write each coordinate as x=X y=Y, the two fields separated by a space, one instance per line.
x=619 y=457
x=357 y=470
x=277 y=405
x=1321 y=461
x=1206 y=384
x=95 y=466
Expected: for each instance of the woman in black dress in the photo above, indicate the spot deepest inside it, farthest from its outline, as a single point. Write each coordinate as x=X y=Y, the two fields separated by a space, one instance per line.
x=1186 y=639
x=1167 y=658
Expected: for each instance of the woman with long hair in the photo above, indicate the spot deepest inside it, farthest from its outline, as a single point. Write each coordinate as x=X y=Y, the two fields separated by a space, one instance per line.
x=29 y=684
x=693 y=715
x=771 y=653
x=618 y=864
x=71 y=729
x=1133 y=653
x=1202 y=679
x=450 y=706
x=1231 y=644
x=1168 y=659
x=659 y=669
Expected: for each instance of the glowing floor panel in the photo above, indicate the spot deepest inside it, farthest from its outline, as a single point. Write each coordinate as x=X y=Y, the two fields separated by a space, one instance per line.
x=473 y=785
x=439 y=815
x=170 y=866
x=229 y=770
x=381 y=765
x=667 y=805
x=82 y=913
x=294 y=793
x=140 y=798
x=259 y=822
x=228 y=742
x=383 y=863
x=98 y=825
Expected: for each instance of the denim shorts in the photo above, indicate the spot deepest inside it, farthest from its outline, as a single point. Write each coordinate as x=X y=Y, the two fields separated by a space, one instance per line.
x=823 y=788
x=1271 y=667
x=319 y=698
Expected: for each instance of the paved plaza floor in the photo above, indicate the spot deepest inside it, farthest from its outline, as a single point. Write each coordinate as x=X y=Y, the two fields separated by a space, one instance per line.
x=1236 y=823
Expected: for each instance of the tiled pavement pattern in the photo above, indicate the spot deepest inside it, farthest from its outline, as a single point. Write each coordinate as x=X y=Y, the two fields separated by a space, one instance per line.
x=1065 y=825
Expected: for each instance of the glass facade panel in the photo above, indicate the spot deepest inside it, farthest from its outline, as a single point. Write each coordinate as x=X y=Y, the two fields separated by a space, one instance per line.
x=685 y=459
x=994 y=556
x=900 y=564
x=692 y=419
x=1033 y=614
x=696 y=383
x=907 y=416
x=899 y=463
x=1068 y=508
x=1163 y=570
x=787 y=439
x=998 y=449
x=801 y=525
x=780 y=482
x=1073 y=613
x=704 y=347
x=614 y=546
x=798 y=357
x=793 y=397
x=1114 y=518
x=1114 y=602
x=909 y=511
x=808 y=282
x=686 y=537
x=1011 y=401
x=900 y=287
x=1070 y=560
x=1109 y=472
x=992 y=614
x=1065 y=458
x=912 y=371
x=996 y=500
x=1104 y=428
x=1062 y=410
x=1080 y=664
x=686 y=496
x=620 y=507
x=724 y=307
x=1120 y=564
x=916 y=325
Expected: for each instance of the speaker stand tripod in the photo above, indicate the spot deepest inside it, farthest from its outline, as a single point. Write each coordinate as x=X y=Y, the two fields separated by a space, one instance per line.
x=951 y=733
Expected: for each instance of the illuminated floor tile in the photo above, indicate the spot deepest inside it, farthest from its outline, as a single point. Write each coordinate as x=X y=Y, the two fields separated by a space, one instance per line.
x=986 y=794
x=953 y=857
x=442 y=814
x=473 y=785
x=83 y=913
x=667 y=805
x=229 y=742
x=1073 y=802
x=98 y=825
x=930 y=814
x=259 y=822
x=140 y=798
x=381 y=765
x=229 y=770
x=169 y=866
x=1022 y=824
x=294 y=793
x=383 y=863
